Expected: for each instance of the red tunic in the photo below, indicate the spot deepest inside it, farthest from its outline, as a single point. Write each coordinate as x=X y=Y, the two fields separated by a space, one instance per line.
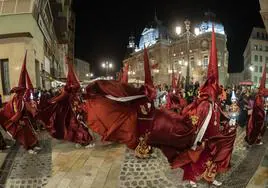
x=15 y=120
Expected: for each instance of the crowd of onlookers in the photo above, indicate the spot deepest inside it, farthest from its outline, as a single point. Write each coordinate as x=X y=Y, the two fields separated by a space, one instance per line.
x=245 y=97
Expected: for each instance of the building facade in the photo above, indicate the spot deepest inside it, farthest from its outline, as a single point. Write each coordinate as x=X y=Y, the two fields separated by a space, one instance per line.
x=82 y=69
x=173 y=51
x=39 y=27
x=255 y=55
x=264 y=12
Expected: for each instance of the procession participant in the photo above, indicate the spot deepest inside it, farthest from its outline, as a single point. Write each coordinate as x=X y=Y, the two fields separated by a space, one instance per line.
x=122 y=103
x=15 y=116
x=175 y=100
x=62 y=117
x=256 y=126
x=214 y=145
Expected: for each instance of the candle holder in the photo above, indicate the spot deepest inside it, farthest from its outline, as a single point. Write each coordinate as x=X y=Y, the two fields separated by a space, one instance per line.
x=234 y=110
x=266 y=104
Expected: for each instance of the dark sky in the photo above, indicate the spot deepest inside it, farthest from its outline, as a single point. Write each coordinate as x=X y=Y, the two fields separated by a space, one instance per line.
x=103 y=27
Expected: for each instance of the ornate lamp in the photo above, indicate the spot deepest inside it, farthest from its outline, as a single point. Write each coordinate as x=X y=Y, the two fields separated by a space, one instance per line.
x=233 y=110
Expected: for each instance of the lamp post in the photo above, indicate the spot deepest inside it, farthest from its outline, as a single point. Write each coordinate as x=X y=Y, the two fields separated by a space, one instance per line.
x=107 y=66
x=89 y=75
x=188 y=34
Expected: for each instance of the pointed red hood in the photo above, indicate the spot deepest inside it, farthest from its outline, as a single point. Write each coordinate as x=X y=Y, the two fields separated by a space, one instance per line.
x=28 y=81
x=213 y=60
x=125 y=74
x=72 y=80
x=22 y=78
x=211 y=86
x=147 y=71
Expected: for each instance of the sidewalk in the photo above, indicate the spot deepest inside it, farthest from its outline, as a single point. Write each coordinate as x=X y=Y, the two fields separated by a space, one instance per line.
x=260 y=178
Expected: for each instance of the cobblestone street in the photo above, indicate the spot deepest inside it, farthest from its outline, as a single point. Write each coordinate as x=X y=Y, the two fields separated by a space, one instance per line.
x=61 y=164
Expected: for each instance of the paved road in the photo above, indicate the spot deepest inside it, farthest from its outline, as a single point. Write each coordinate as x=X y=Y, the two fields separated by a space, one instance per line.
x=61 y=164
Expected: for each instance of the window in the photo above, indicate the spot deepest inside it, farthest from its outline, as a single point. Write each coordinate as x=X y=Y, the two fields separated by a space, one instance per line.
x=255 y=79
x=258 y=35
x=205 y=62
x=256 y=68
x=5 y=76
x=260 y=69
x=260 y=47
x=262 y=36
x=266 y=69
x=266 y=48
x=255 y=47
x=255 y=58
x=266 y=59
x=260 y=58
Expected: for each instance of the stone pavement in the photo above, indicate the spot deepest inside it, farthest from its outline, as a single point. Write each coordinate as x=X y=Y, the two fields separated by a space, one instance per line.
x=155 y=172
x=97 y=167
x=61 y=164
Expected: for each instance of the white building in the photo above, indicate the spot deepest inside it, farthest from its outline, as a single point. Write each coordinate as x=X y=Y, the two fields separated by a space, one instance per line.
x=82 y=69
x=255 y=55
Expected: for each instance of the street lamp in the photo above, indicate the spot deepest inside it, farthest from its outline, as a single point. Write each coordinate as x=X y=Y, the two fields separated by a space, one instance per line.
x=89 y=75
x=188 y=35
x=107 y=65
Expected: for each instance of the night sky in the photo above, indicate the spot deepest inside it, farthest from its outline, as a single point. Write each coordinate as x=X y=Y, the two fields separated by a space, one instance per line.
x=103 y=27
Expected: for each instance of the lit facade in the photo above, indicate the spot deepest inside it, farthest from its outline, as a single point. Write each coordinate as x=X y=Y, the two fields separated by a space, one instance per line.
x=170 y=52
x=82 y=69
x=41 y=28
x=255 y=55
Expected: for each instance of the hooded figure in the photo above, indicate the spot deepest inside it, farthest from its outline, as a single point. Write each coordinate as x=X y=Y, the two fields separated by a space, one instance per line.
x=64 y=117
x=256 y=127
x=212 y=148
x=15 y=117
x=123 y=104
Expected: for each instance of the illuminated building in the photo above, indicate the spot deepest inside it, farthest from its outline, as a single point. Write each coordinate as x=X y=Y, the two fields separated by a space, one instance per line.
x=168 y=52
x=255 y=55
x=45 y=29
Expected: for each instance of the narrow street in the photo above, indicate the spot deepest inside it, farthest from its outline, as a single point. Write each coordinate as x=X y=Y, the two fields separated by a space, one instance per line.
x=61 y=164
